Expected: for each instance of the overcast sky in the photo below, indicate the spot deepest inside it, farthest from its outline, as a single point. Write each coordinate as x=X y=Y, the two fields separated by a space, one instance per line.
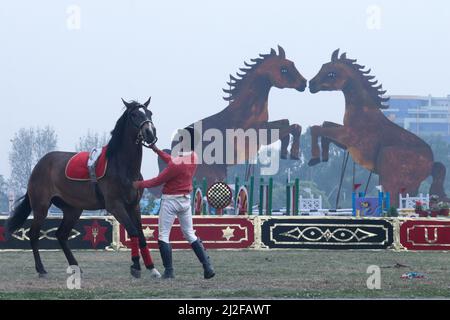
x=181 y=53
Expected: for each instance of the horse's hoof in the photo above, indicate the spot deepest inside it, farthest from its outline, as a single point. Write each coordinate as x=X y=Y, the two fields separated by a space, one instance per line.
x=154 y=273
x=295 y=157
x=325 y=159
x=284 y=156
x=313 y=162
x=43 y=275
x=135 y=272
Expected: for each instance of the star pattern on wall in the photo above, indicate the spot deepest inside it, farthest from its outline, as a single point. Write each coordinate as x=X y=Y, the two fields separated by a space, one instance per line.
x=95 y=233
x=228 y=233
x=149 y=233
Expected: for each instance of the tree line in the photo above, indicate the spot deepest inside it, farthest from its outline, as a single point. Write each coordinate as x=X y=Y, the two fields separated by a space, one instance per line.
x=28 y=146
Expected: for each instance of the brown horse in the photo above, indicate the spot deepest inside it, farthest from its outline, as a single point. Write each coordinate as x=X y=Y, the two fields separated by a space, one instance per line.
x=48 y=185
x=248 y=109
x=401 y=159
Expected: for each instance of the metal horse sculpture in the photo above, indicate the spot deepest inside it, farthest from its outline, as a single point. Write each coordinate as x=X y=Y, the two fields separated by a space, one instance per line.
x=401 y=159
x=248 y=109
x=49 y=185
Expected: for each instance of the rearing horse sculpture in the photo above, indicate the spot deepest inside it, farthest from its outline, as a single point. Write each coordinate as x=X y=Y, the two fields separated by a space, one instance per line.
x=248 y=109
x=400 y=158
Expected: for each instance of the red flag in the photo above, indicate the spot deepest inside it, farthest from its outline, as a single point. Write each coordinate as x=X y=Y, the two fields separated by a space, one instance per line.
x=356 y=186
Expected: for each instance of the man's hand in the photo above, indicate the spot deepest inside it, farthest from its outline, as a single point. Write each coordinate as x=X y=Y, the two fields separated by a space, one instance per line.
x=136 y=185
x=154 y=148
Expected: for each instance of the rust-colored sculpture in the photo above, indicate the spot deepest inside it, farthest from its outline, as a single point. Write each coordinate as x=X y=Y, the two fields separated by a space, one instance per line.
x=401 y=159
x=248 y=108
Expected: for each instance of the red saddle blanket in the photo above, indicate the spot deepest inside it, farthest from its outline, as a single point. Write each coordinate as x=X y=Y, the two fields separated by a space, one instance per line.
x=77 y=168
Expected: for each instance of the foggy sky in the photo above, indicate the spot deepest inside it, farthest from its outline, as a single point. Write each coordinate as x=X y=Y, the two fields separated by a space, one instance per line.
x=182 y=52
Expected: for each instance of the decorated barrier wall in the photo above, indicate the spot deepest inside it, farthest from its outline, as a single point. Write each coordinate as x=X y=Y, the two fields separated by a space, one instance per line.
x=215 y=232
x=252 y=232
x=89 y=233
x=326 y=233
x=425 y=234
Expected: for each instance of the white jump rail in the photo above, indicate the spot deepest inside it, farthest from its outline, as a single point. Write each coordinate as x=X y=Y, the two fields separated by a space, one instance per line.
x=409 y=202
x=308 y=204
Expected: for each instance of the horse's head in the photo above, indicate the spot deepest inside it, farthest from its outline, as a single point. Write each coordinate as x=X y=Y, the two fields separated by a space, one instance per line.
x=333 y=76
x=140 y=122
x=346 y=75
x=281 y=72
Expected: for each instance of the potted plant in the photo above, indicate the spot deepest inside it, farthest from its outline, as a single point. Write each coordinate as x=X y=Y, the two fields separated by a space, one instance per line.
x=392 y=212
x=444 y=209
x=420 y=209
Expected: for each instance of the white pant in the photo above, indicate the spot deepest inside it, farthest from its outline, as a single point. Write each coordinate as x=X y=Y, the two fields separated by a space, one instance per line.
x=172 y=207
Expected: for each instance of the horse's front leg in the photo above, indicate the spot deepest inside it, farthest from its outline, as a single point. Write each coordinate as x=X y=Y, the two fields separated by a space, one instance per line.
x=296 y=131
x=135 y=214
x=315 y=149
x=325 y=142
x=285 y=129
x=118 y=210
x=336 y=134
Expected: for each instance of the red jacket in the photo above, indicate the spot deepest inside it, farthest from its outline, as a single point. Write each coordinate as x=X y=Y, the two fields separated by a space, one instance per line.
x=177 y=176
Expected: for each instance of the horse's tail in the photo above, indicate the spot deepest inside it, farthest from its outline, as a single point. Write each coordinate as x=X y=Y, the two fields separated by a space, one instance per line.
x=438 y=173
x=19 y=214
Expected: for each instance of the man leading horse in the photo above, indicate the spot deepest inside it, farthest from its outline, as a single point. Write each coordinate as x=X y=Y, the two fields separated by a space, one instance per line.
x=114 y=192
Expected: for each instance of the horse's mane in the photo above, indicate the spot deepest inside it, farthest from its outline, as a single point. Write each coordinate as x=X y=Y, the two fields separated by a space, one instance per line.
x=236 y=83
x=115 y=142
x=374 y=89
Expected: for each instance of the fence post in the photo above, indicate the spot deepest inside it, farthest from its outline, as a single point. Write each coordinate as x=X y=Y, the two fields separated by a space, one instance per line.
x=353 y=203
x=388 y=201
x=300 y=203
x=380 y=202
x=296 y=196
x=288 y=199
x=204 y=190
x=236 y=192
x=261 y=196
x=269 y=201
x=250 y=196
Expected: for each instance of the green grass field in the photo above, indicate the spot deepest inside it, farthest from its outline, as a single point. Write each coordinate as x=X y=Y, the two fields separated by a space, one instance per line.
x=240 y=274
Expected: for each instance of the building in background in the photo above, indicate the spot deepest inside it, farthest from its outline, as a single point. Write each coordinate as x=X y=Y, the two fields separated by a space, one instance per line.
x=424 y=116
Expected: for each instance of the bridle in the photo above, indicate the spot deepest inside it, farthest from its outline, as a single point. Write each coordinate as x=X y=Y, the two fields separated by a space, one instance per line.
x=140 y=136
